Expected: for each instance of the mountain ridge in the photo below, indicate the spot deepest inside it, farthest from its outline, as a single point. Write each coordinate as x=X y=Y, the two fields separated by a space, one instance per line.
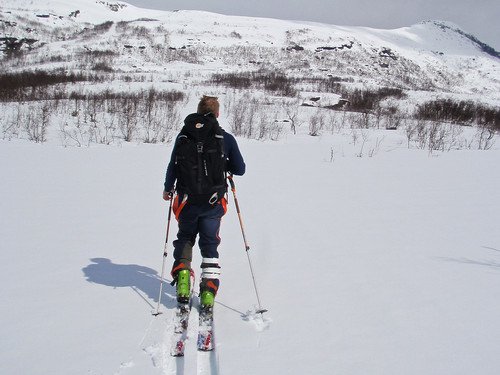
x=87 y=10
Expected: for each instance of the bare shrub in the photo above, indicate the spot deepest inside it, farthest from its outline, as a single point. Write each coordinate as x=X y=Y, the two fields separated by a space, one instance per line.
x=316 y=123
x=421 y=134
x=70 y=136
x=148 y=116
x=367 y=100
x=76 y=132
x=436 y=137
x=455 y=140
x=232 y=80
x=336 y=120
x=161 y=121
x=148 y=111
x=459 y=112
x=11 y=123
x=292 y=110
x=103 y=67
x=410 y=131
x=376 y=148
x=31 y=85
x=236 y=111
x=485 y=136
x=275 y=82
x=364 y=138
x=354 y=136
x=174 y=120
x=127 y=118
x=36 y=122
x=275 y=130
x=263 y=129
x=393 y=118
x=278 y=83
x=364 y=120
x=103 y=27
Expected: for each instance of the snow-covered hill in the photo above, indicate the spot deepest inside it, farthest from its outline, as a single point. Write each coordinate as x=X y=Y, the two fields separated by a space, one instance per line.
x=428 y=56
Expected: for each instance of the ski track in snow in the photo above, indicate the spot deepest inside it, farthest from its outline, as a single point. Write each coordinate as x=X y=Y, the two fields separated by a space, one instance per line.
x=193 y=362
x=207 y=363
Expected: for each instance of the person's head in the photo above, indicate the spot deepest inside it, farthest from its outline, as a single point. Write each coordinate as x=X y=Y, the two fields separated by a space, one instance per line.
x=208 y=104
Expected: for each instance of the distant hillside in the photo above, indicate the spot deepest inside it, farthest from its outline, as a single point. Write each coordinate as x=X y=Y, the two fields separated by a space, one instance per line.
x=86 y=35
x=121 y=61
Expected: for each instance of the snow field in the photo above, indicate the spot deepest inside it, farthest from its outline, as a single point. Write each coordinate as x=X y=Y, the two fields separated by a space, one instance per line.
x=384 y=265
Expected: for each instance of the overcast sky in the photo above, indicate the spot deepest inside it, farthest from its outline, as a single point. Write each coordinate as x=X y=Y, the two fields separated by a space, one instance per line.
x=478 y=17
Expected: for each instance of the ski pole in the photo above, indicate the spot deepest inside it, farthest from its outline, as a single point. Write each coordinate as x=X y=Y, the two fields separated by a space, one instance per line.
x=247 y=248
x=157 y=312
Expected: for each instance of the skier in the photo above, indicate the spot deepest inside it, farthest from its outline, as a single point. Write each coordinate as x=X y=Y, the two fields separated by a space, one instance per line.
x=199 y=209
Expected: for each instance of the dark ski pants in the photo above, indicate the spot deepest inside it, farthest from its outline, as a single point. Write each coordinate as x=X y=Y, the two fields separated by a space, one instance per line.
x=196 y=219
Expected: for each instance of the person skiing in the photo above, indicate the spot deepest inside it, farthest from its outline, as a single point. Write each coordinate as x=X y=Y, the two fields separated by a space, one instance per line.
x=202 y=155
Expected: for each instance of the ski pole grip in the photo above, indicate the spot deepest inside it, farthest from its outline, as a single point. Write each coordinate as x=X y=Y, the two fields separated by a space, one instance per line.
x=231 y=182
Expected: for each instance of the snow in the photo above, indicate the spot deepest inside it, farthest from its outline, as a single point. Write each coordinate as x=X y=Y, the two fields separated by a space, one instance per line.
x=376 y=260
x=430 y=54
x=384 y=265
x=93 y=11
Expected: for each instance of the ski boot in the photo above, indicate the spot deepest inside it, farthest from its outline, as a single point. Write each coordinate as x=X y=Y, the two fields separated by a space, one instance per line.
x=183 y=286
x=207 y=299
x=209 y=282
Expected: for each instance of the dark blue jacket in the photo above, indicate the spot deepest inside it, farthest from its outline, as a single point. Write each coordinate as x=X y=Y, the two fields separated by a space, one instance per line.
x=235 y=162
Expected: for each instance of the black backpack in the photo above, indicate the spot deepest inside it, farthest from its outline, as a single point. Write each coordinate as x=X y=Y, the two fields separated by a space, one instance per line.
x=200 y=160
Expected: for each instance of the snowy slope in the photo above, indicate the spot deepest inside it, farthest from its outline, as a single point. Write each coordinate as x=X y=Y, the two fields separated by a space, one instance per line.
x=91 y=11
x=427 y=56
x=367 y=265
x=254 y=30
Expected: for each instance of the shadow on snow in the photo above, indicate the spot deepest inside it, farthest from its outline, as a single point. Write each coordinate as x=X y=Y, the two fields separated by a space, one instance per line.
x=142 y=280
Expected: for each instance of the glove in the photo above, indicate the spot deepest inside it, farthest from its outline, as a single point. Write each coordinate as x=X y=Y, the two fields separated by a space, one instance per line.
x=168 y=195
